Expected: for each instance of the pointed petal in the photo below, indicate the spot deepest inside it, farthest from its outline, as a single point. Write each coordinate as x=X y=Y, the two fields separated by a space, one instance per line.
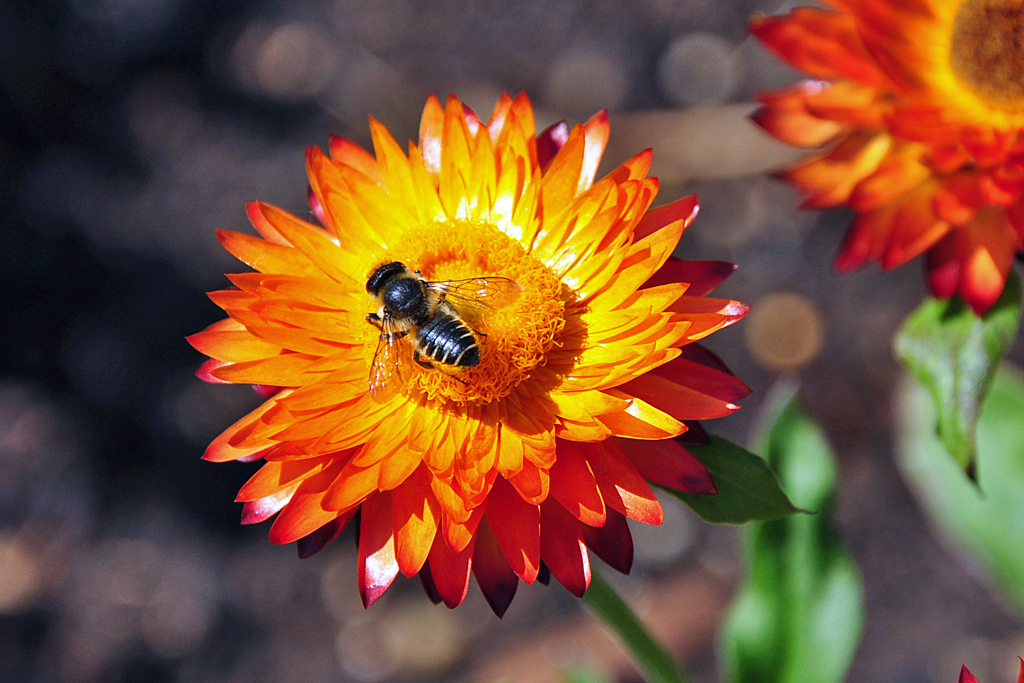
x=450 y=571
x=305 y=513
x=311 y=544
x=256 y=511
x=612 y=542
x=574 y=486
x=702 y=276
x=668 y=464
x=516 y=526
x=416 y=516
x=496 y=579
x=563 y=549
x=377 y=564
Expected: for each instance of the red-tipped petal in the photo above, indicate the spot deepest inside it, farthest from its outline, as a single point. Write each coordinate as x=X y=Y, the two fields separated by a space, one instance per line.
x=257 y=511
x=377 y=564
x=668 y=464
x=550 y=140
x=563 y=549
x=574 y=486
x=304 y=513
x=597 y=140
x=703 y=276
x=207 y=367
x=317 y=208
x=966 y=676
x=310 y=545
x=516 y=526
x=497 y=581
x=612 y=542
x=266 y=390
x=429 y=587
x=450 y=571
x=695 y=434
x=943 y=268
x=622 y=486
x=1020 y=675
x=684 y=210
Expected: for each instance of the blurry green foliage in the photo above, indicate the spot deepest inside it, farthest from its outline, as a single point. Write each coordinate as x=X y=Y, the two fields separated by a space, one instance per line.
x=954 y=353
x=987 y=519
x=798 y=615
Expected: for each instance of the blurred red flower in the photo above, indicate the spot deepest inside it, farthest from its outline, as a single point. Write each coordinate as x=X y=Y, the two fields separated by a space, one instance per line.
x=918 y=108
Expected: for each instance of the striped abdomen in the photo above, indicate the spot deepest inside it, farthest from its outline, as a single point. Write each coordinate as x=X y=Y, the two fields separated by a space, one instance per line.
x=447 y=340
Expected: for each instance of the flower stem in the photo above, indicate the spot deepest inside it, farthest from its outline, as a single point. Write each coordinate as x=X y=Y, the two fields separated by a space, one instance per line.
x=655 y=663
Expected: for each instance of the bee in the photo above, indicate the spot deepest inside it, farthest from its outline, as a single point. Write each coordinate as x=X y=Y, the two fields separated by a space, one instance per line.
x=434 y=318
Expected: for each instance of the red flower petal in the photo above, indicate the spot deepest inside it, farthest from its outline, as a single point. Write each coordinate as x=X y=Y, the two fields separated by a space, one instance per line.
x=703 y=276
x=574 y=486
x=256 y=511
x=377 y=564
x=310 y=545
x=668 y=464
x=966 y=676
x=450 y=571
x=622 y=486
x=516 y=526
x=497 y=581
x=563 y=549
x=612 y=542
x=550 y=140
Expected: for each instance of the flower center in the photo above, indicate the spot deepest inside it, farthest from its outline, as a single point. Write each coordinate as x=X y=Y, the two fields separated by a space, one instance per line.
x=987 y=51
x=512 y=339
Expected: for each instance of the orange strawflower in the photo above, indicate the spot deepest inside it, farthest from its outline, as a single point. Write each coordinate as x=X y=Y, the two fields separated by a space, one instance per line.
x=921 y=107
x=510 y=466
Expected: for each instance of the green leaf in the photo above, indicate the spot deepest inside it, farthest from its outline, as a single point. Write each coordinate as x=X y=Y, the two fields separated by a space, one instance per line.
x=747 y=487
x=986 y=519
x=584 y=675
x=651 y=658
x=799 y=613
x=955 y=353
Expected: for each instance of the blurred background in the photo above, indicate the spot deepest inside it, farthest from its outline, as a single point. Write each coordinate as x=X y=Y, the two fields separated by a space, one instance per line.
x=131 y=129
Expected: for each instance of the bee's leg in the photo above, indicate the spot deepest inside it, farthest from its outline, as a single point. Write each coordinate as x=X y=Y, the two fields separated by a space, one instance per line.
x=419 y=360
x=375 y=320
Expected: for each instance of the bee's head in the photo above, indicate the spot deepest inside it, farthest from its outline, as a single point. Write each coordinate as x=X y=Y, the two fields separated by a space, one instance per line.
x=384 y=274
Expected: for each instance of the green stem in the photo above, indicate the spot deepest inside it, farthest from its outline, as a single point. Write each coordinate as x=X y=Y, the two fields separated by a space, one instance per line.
x=655 y=663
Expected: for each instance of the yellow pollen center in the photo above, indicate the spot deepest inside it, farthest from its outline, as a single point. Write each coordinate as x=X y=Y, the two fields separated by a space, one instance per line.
x=987 y=51
x=513 y=340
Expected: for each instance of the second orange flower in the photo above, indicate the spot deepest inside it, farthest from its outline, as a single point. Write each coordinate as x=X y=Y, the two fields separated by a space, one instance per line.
x=919 y=108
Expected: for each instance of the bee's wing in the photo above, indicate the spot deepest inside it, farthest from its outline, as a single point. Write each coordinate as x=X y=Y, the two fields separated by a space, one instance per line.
x=479 y=294
x=389 y=370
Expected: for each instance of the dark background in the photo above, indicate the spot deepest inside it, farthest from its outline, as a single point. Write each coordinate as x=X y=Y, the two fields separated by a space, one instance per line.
x=131 y=129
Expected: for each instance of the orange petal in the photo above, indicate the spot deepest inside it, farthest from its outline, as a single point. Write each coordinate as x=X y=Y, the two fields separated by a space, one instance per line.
x=823 y=43
x=532 y=483
x=256 y=511
x=574 y=486
x=516 y=526
x=349 y=153
x=597 y=131
x=305 y=513
x=277 y=476
x=377 y=564
x=416 y=515
x=622 y=486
